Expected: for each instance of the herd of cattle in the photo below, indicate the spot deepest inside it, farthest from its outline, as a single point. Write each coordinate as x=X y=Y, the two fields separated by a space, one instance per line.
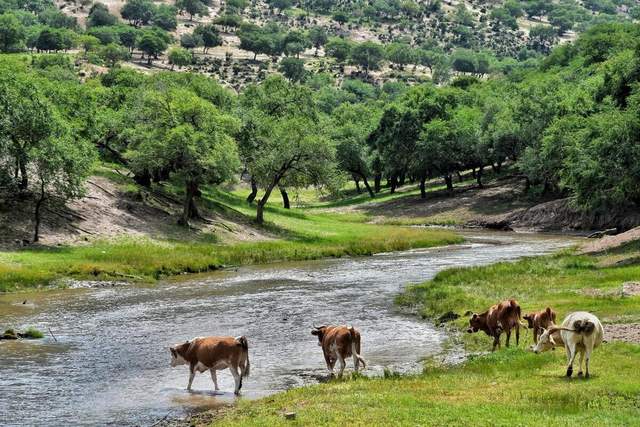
x=580 y=332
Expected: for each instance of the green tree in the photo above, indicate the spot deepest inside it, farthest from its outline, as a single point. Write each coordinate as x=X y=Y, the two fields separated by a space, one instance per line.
x=180 y=57
x=367 y=55
x=292 y=69
x=188 y=136
x=191 y=40
x=12 y=33
x=99 y=16
x=152 y=43
x=209 y=35
x=192 y=7
x=138 y=12
x=338 y=48
x=164 y=16
x=400 y=53
x=113 y=53
x=318 y=37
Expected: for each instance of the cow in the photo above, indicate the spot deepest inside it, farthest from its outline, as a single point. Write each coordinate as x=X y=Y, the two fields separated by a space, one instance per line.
x=214 y=354
x=539 y=320
x=580 y=332
x=503 y=316
x=338 y=343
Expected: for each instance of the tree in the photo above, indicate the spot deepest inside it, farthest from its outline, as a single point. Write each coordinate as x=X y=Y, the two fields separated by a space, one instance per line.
x=187 y=136
x=367 y=55
x=25 y=122
x=61 y=165
x=53 y=39
x=268 y=40
x=128 y=36
x=318 y=37
x=138 y=12
x=338 y=48
x=164 y=16
x=542 y=37
x=113 y=53
x=292 y=69
x=99 y=16
x=192 y=7
x=88 y=42
x=180 y=57
x=400 y=53
x=283 y=144
x=209 y=35
x=295 y=42
x=152 y=43
x=191 y=40
x=12 y=33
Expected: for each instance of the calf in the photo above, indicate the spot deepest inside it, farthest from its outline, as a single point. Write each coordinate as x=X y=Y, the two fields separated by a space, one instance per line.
x=213 y=354
x=338 y=343
x=580 y=332
x=501 y=317
x=539 y=320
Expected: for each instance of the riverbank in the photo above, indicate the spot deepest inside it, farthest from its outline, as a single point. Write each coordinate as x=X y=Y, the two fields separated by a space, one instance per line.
x=511 y=386
x=294 y=235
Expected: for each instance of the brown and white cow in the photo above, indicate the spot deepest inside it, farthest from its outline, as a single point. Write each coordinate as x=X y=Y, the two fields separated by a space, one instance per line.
x=214 y=354
x=539 y=320
x=338 y=343
x=503 y=316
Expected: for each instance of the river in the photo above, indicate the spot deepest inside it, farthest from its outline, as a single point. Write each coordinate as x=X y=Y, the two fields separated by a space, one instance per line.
x=110 y=363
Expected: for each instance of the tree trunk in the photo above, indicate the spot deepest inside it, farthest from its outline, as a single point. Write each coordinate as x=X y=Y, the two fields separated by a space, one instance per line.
x=401 y=179
x=423 y=191
x=473 y=173
x=263 y=202
x=394 y=184
x=368 y=187
x=376 y=182
x=254 y=191
x=36 y=232
x=143 y=179
x=448 y=179
x=459 y=176
x=479 y=176
x=189 y=208
x=24 y=181
x=357 y=181
x=285 y=198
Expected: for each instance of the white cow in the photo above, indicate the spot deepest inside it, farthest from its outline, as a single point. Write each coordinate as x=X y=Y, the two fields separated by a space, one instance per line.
x=580 y=332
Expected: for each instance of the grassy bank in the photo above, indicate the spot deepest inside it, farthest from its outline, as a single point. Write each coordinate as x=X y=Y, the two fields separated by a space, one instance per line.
x=509 y=387
x=298 y=236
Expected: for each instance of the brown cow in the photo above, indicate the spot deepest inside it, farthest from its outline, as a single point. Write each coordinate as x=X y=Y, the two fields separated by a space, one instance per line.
x=338 y=343
x=213 y=354
x=539 y=320
x=501 y=317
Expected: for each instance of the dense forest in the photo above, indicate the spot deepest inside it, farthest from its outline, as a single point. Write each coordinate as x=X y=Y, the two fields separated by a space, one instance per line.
x=570 y=127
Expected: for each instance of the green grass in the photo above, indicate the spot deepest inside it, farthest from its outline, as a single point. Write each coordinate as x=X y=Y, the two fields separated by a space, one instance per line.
x=509 y=387
x=33 y=333
x=299 y=236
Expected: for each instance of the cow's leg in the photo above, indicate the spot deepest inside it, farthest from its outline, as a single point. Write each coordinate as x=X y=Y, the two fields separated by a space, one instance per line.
x=192 y=374
x=496 y=342
x=535 y=335
x=586 y=362
x=214 y=378
x=341 y=364
x=356 y=362
x=572 y=356
x=330 y=362
x=236 y=378
x=517 y=334
x=508 y=336
x=580 y=362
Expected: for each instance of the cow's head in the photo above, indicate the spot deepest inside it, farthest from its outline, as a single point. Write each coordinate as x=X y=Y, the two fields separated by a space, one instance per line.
x=529 y=318
x=177 y=352
x=545 y=341
x=476 y=322
x=319 y=331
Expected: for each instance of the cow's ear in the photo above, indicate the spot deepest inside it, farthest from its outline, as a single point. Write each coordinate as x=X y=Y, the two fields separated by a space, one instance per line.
x=173 y=352
x=549 y=311
x=314 y=332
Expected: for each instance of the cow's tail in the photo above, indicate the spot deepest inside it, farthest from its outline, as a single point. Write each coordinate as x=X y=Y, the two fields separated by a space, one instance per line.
x=584 y=327
x=245 y=352
x=355 y=346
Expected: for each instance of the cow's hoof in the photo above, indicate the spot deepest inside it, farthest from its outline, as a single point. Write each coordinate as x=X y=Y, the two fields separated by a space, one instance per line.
x=580 y=374
x=569 y=372
x=587 y=376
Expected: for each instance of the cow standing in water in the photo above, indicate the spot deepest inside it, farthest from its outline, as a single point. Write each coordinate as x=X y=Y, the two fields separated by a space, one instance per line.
x=214 y=354
x=338 y=343
x=503 y=316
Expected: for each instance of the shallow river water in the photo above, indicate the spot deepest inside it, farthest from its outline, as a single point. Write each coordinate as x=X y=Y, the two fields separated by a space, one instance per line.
x=110 y=364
